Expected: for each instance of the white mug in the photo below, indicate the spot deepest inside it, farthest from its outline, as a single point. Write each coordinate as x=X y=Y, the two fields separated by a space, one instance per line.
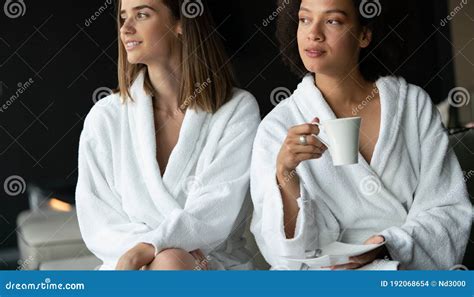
x=343 y=143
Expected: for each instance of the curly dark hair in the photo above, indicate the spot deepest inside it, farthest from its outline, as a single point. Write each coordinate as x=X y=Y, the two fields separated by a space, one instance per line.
x=383 y=48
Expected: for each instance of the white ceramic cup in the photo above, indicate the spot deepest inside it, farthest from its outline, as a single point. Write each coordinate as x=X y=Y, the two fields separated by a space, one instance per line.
x=343 y=142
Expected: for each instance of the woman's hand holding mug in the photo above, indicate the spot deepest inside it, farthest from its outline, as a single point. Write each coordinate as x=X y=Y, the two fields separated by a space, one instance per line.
x=300 y=145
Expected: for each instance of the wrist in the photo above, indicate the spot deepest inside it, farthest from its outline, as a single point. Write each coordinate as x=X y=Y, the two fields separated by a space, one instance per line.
x=283 y=173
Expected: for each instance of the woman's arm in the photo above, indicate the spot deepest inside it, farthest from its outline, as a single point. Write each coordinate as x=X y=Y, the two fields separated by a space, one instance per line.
x=291 y=154
x=289 y=184
x=308 y=220
x=105 y=227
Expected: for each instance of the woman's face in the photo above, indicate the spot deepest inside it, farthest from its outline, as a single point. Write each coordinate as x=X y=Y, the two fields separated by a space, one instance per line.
x=329 y=36
x=149 y=32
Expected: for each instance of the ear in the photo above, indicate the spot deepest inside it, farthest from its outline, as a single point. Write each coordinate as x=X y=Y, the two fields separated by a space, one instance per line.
x=365 y=38
x=178 y=28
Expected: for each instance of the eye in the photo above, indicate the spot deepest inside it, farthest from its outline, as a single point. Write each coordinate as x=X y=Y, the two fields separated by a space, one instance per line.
x=141 y=15
x=333 y=22
x=304 y=20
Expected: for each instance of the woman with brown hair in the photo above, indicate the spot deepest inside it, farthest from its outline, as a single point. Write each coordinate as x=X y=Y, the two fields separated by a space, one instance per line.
x=406 y=194
x=164 y=163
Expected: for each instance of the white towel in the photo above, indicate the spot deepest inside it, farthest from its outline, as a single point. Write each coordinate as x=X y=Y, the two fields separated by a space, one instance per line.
x=413 y=192
x=200 y=201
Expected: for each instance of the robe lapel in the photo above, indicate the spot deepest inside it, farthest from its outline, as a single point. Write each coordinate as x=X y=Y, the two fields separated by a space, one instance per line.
x=144 y=130
x=393 y=92
x=187 y=150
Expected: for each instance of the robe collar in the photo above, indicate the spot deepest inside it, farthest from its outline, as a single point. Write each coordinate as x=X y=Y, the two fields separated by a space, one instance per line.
x=165 y=189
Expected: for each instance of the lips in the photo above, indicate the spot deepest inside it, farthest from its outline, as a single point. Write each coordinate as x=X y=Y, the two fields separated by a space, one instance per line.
x=131 y=44
x=315 y=52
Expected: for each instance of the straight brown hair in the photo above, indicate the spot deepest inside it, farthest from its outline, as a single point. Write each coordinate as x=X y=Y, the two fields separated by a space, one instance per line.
x=207 y=79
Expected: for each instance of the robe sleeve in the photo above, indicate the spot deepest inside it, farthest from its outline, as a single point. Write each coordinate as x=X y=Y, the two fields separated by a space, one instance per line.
x=314 y=222
x=436 y=231
x=105 y=227
x=216 y=194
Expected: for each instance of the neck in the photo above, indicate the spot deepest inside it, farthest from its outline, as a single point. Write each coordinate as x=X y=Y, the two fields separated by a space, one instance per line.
x=343 y=91
x=166 y=80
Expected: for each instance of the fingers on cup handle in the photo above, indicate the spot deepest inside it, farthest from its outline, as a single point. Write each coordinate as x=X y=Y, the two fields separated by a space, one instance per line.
x=319 y=143
x=316 y=126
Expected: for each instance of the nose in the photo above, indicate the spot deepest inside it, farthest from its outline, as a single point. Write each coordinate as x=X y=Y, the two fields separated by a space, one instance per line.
x=316 y=33
x=127 y=27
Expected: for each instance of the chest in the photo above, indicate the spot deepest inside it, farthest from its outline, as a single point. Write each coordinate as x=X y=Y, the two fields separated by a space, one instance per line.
x=167 y=130
x=369 y=133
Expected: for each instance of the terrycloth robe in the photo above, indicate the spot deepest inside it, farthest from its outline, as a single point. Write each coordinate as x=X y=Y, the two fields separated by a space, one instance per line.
x=202 y=200
x=413 y=191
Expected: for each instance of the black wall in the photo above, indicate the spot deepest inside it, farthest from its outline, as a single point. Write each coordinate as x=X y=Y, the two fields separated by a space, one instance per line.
x=68 y=60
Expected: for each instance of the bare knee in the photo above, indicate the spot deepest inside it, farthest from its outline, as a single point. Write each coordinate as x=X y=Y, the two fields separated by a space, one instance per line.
x=172 y=259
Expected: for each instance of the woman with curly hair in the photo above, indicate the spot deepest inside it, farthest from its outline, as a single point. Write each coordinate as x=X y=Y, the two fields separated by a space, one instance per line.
x=407 y=191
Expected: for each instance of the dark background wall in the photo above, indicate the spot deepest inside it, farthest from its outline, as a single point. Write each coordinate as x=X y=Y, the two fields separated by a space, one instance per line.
x=68 y=57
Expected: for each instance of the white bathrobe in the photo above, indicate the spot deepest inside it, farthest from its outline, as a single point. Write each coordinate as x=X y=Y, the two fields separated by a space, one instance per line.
x=201 y=202
x=413 y=192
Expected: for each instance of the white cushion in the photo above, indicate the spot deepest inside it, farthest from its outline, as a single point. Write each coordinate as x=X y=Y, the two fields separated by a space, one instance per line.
x=47 y=235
